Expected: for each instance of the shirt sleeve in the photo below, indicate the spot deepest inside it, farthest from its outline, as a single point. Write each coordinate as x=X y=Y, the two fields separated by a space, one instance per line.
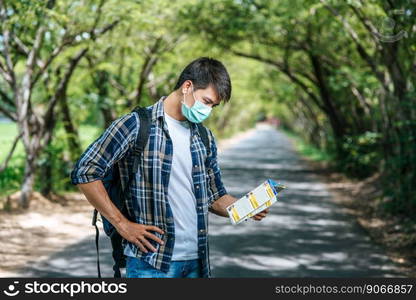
x=216 y=188
x=106 y=150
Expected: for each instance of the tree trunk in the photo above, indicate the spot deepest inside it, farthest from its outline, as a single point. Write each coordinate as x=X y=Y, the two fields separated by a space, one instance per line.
x=101 y=81
x=335 y=119
x=108 y=115
x=72 y=133
x=46 y=175
x=28 y=180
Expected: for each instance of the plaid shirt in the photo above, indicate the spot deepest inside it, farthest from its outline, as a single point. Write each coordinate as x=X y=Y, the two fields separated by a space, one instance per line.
x=147 y=198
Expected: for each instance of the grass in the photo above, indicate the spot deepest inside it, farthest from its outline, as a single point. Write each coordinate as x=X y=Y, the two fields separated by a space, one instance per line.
x=306 y=149
x=10 y=179
x=8 y=132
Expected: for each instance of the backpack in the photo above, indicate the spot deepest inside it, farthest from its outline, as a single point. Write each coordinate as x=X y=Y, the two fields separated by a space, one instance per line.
x=112 y=184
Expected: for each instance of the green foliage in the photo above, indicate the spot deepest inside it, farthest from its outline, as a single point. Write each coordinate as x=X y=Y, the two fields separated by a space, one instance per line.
x=307 y=149
x=53 y=157
x=361 y=155
x=317 y=66
x=11 y=177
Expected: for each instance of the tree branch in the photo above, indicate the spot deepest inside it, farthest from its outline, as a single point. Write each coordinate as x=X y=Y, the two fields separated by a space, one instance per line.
x=360 y=48
x=6 y=75
x=9 y=76
x=8 y=114
x=23 y=102
x=287 y=72
x=366 y=23
x=149 y=62
x=97 y=18
x=21 y=46
x=101 y=31
x=62 y=88
x=69 y=40
x=6 y=98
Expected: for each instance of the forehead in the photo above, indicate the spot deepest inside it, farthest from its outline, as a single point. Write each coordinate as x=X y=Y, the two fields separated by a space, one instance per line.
x=208 y=92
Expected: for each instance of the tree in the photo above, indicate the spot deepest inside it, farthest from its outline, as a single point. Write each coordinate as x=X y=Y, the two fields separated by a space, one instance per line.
x=348 y=71
x=55 y=43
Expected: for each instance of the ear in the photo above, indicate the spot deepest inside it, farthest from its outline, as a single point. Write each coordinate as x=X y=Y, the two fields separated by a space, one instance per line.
x=186 y=86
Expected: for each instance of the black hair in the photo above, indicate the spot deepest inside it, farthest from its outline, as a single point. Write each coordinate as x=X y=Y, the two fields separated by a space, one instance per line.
x=204 y=71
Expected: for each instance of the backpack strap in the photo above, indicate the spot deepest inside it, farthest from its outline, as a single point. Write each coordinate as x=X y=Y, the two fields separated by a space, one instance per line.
x=97 y=235
x=118 y=255
x=142 y=137
x=203 y=131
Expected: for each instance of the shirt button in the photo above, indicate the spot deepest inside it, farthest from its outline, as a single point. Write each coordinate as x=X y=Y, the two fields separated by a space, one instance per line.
x=199 y=207
x=202 y=230
x=195 y=166
x=197 y=186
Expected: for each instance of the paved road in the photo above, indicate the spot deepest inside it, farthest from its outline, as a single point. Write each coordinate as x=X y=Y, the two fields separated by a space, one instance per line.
x=304 y=235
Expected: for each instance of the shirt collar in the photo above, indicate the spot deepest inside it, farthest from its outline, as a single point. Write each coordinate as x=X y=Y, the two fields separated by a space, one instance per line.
x=158 y=110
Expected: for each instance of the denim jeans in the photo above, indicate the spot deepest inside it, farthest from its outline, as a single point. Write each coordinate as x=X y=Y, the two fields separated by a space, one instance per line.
x=138 y=268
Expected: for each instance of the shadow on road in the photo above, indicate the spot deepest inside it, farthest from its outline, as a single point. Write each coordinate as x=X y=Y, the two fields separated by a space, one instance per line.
x=304 y=235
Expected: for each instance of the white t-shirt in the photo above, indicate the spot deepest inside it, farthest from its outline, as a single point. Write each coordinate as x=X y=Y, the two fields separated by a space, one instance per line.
x=180 y=191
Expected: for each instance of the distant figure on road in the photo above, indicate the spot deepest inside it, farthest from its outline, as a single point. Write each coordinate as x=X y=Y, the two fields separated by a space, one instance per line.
x=273 y=121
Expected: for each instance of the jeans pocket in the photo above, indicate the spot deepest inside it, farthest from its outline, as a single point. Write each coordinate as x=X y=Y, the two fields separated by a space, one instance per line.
x=138 y=268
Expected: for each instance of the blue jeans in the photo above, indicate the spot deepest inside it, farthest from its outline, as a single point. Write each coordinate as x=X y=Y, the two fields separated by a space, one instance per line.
x=138 y=268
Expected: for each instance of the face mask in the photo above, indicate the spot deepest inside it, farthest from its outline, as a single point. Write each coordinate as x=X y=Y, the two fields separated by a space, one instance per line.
x=198 y=112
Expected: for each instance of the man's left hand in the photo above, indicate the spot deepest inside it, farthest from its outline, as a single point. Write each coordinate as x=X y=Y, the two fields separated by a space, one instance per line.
x=261 y=215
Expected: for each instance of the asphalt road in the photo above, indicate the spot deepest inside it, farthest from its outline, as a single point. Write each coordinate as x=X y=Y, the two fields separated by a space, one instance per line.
x=304 y=235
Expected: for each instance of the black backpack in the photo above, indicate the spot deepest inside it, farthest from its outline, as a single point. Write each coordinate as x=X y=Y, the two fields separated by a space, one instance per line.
x=112 y=184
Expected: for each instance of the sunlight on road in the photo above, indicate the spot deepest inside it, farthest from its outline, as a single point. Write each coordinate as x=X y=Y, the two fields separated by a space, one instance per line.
x=305 y=233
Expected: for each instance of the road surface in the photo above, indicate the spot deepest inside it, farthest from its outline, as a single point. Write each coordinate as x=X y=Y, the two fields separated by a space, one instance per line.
x=304 y=235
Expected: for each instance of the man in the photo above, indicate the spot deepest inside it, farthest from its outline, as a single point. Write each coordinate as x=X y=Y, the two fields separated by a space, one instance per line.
x=177 y=183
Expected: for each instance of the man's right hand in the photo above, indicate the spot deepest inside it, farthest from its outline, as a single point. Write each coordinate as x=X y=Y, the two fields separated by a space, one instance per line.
x=135 y=233
x=138 y=234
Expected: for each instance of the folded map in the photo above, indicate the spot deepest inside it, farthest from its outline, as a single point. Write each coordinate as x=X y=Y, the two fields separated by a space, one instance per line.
x=254 y=201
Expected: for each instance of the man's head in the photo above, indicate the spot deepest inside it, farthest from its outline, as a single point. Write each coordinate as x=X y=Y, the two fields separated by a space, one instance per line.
x=209 y=81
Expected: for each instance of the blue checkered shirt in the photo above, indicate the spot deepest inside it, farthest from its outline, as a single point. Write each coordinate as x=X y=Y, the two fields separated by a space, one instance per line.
x=147 y=198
